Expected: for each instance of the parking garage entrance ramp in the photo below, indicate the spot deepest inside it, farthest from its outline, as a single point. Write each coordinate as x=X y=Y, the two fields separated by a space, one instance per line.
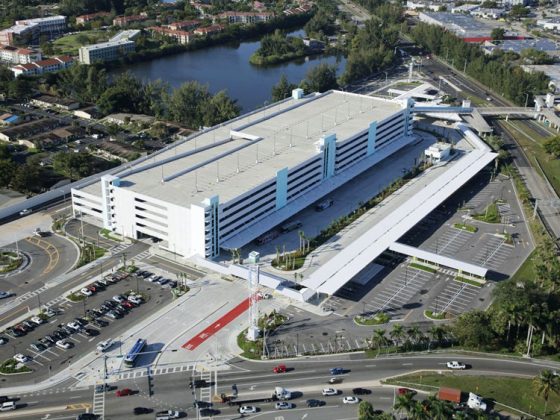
x=440 y=260
x=349 y=261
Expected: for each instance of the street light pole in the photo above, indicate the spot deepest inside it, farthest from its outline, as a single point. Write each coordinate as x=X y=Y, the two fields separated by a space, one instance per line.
x=526 y=99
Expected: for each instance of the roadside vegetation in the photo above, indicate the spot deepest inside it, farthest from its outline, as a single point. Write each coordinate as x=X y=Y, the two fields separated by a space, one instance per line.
x=465 y=226
x=268 y=323
x=89 y=253
x=10 y=367
x=9 y=261
x=491 y=214
x=520 y=393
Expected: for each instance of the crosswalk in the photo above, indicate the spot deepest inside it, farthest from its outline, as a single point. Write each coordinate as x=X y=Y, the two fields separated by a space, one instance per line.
x=143 y=255
x=118 y=248
x=141 y=372
x=20 y=299
x=99 y=402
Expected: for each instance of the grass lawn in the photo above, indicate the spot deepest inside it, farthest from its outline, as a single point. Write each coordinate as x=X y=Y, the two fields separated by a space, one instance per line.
x=423 y=267
x=515 y=392
x=69 y=44
x=532 y=145
x=464 y=226
x=526 y=271
x=490 y=215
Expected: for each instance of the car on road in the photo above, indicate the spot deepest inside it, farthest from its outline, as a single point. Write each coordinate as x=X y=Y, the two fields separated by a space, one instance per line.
x=405 y=391
x=25 y=212
x=142 y=410
x=168 y=414
x=37 y=347
x=361 y=391
x=37 y=320
x=279 y=369
x=337 y=371
x=315 y=403
x=454 y=364
x=63 y=344
x=325 y=204
x=86 y=292
x=124 y=392
x=351 y=400
x=8 y=406
x=4 y=295
x=334 y=380
x=329 y=391
x=247 y=409
x=104 y=345
x=22 y=358
x=283 y=405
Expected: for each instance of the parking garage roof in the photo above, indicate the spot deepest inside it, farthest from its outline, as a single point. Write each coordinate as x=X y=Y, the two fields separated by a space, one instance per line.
x=241 y=154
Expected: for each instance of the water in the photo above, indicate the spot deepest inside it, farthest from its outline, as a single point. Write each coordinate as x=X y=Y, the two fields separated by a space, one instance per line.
x=227 y=67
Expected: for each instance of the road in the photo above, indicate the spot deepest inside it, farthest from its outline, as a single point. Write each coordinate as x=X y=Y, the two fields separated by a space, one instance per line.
x=537 y=186
x=255 y=380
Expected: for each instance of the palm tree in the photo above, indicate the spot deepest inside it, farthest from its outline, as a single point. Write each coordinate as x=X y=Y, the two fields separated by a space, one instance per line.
x=439 y=410
x=545 y=384
x=379 y=339
x=414 y=333
x=397 y=333
x=437 y=332
x=418 y=412
x=404 y=403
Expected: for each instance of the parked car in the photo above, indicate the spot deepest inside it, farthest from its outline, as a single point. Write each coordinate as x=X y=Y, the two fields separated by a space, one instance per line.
x=29 y=324
x=124 y=392
x=45 y=342
x=137 y=300
x=63 y=344
x=4 y=295
x=118 y=298
x=456 y=365
x=15 y=333
x=86 y=292
x=329 y=391
x=50 y=338
x=114 y=315
x=99 y=323
x=37 y=347
x=128 y=305
x=90 y=332
x=22 y=358
x=3 y=340
x=37 y=320
x=24 y=328
x=283 y=405
x=350 y=400
x=50 y=312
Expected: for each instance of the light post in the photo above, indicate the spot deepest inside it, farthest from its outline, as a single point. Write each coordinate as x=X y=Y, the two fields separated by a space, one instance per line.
x=526 y=99
x=386 y=76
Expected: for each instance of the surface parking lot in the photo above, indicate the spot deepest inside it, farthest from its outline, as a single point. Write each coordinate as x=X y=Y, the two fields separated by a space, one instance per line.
x=450 y=242
x=393 y=296
x=493 y=253
x=455 y=298
x=51 y=359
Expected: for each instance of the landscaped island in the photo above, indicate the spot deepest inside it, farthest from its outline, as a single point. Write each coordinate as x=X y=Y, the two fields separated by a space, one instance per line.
x=278 y=47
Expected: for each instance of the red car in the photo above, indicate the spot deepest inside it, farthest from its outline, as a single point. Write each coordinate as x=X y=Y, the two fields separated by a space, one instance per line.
x=405 y=391
x=279 y=369
x=127 y=304
x=124 y=392
x=92 y=288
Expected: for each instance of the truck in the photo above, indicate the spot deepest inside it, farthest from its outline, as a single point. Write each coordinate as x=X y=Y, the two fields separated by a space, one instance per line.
x=450 y=394
x=454 y=395
x=279 y=394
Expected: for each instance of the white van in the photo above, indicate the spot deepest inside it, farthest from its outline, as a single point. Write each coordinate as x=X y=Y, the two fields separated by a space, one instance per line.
x=8 y=406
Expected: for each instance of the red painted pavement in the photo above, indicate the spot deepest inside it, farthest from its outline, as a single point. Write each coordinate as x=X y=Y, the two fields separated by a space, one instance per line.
x=200 y=338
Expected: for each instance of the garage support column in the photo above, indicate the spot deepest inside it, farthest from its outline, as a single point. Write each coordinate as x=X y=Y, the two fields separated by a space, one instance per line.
x=372 y=137
x=281 y=188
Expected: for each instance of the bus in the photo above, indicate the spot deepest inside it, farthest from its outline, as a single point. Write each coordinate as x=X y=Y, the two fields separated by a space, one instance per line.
x=134 y=352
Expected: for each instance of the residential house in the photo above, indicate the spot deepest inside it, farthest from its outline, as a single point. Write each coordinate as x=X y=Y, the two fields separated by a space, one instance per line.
x=209 y=30
x=43 y=66
x=29 y=129
x=185 y=25
x=83 y=19
x=10 y=54
x=127 y=20
x=8 y=119
x=182 y=37
x=55 y=102
x=245 y=17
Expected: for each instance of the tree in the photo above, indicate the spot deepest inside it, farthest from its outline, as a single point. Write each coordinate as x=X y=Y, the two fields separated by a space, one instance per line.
x=498 y=33
x=379 y=339
x=185 y=103
x=545 y=384
x=438 y=410
x=26 y=179
x=283 y=89
x=397 y=333
x=404 y=403
x=518 y=11
x=20 y=88
x=471 y=329
x=219 y=108
x=552 y=146
x=320 y=79
x=7 y=172
x=73 y=165
x=365 y=411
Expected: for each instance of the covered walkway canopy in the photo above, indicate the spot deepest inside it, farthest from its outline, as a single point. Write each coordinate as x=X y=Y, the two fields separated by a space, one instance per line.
x=440 y=260
x=336 y=272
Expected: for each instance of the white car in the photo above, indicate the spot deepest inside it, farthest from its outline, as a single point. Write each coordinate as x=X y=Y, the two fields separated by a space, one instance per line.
x=137 y=300
x=86 y=292
x=350 y=400
x=329 y=391
x=283 y=405
x=8 y=406
x=37 y=320
x=22 y=358
x=456 y=365
x=75 y=326
x=247 y=409
x=104 y=345
x=118 y=299
x=50 y=313
x=63 y=344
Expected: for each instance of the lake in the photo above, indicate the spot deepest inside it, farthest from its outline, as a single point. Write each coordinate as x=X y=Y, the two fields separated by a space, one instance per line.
x=227 y=67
